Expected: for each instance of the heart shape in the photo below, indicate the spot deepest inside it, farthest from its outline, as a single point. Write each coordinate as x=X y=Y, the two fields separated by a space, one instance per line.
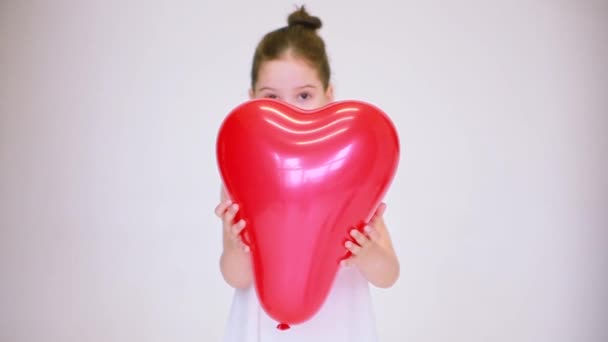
x=303 y=179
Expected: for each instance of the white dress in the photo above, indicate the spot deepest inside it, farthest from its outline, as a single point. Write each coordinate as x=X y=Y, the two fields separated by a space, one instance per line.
x=346 y=316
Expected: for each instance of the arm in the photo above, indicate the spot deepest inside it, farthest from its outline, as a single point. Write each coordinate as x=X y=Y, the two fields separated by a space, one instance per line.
x=373 y=252
x=235 y=262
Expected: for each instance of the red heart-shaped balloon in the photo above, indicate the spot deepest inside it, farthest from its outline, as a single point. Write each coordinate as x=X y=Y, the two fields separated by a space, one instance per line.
x=303 y=180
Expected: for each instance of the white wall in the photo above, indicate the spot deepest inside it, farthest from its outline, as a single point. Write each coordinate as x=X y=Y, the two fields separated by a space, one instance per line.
x=109 y=112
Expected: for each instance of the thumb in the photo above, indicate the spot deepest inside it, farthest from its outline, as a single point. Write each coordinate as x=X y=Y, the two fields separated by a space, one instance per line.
x=379 y=211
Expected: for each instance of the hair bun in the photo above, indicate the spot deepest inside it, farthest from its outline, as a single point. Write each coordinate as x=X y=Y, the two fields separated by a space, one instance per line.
x=301 y=18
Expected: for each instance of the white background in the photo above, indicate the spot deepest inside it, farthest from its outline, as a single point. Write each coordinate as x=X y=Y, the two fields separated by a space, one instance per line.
x=109 y=113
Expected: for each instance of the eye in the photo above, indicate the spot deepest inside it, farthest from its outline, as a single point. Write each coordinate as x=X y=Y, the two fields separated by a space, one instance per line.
x=271 y=96
x=304 y=96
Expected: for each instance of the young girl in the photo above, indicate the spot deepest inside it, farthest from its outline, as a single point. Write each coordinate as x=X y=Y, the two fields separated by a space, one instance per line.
x=290 y=64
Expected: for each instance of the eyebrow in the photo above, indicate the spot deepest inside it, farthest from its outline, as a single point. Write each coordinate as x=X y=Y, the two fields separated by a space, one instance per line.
x=300 y=87
x=266 y=88
x=306 y=86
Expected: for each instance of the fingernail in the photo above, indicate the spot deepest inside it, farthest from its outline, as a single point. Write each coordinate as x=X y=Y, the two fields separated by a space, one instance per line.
x=367 y=229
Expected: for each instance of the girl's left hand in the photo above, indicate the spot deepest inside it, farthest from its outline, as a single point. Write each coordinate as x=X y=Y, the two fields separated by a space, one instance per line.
x=372 y=251
x=365 y=243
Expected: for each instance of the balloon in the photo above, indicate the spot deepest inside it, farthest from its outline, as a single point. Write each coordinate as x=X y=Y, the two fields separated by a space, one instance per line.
x=303 y=180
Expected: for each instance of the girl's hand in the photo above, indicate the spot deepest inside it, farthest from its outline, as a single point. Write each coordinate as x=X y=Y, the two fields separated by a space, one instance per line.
x=372 y=252
x=235 y=262
x=232 y=239
x=364 y=245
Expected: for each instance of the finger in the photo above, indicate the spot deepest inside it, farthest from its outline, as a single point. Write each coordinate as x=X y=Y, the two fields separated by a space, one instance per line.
x=243 y=246
x=380 y=210
x=378 y=219
x=230 y=214
x=234 y=230
x=221 y=208
x=359 y=237
x=372 y=233
x=352 y=247
x=238 y=227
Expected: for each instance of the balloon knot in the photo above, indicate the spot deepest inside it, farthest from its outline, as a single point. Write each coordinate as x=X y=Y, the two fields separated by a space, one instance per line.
x=283 y=326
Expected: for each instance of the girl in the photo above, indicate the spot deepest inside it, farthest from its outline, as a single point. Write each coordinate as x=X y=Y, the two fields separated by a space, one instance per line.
x=290 y=64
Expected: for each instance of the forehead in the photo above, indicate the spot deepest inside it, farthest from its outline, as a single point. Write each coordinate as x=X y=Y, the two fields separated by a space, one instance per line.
x=287 y=73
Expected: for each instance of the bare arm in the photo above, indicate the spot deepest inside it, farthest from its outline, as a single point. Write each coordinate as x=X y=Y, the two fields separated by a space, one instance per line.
x=373 y=252
x=235 y=262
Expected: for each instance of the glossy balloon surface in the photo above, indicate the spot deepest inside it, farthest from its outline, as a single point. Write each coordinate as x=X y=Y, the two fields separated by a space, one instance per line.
x=303 y=179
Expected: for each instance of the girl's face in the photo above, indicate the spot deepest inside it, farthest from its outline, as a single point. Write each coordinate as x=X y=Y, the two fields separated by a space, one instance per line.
x=293 y=81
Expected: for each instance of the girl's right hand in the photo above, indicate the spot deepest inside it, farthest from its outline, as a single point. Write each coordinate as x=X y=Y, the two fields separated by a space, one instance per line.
x=232 y=238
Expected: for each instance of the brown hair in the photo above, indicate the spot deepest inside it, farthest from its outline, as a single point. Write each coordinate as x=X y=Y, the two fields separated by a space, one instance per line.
x=300 y=38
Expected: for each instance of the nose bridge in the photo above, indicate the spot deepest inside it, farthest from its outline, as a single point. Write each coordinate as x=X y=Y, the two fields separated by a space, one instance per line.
x=290 y=101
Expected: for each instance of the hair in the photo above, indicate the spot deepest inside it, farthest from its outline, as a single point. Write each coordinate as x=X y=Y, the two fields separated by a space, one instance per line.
x=298 y=38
